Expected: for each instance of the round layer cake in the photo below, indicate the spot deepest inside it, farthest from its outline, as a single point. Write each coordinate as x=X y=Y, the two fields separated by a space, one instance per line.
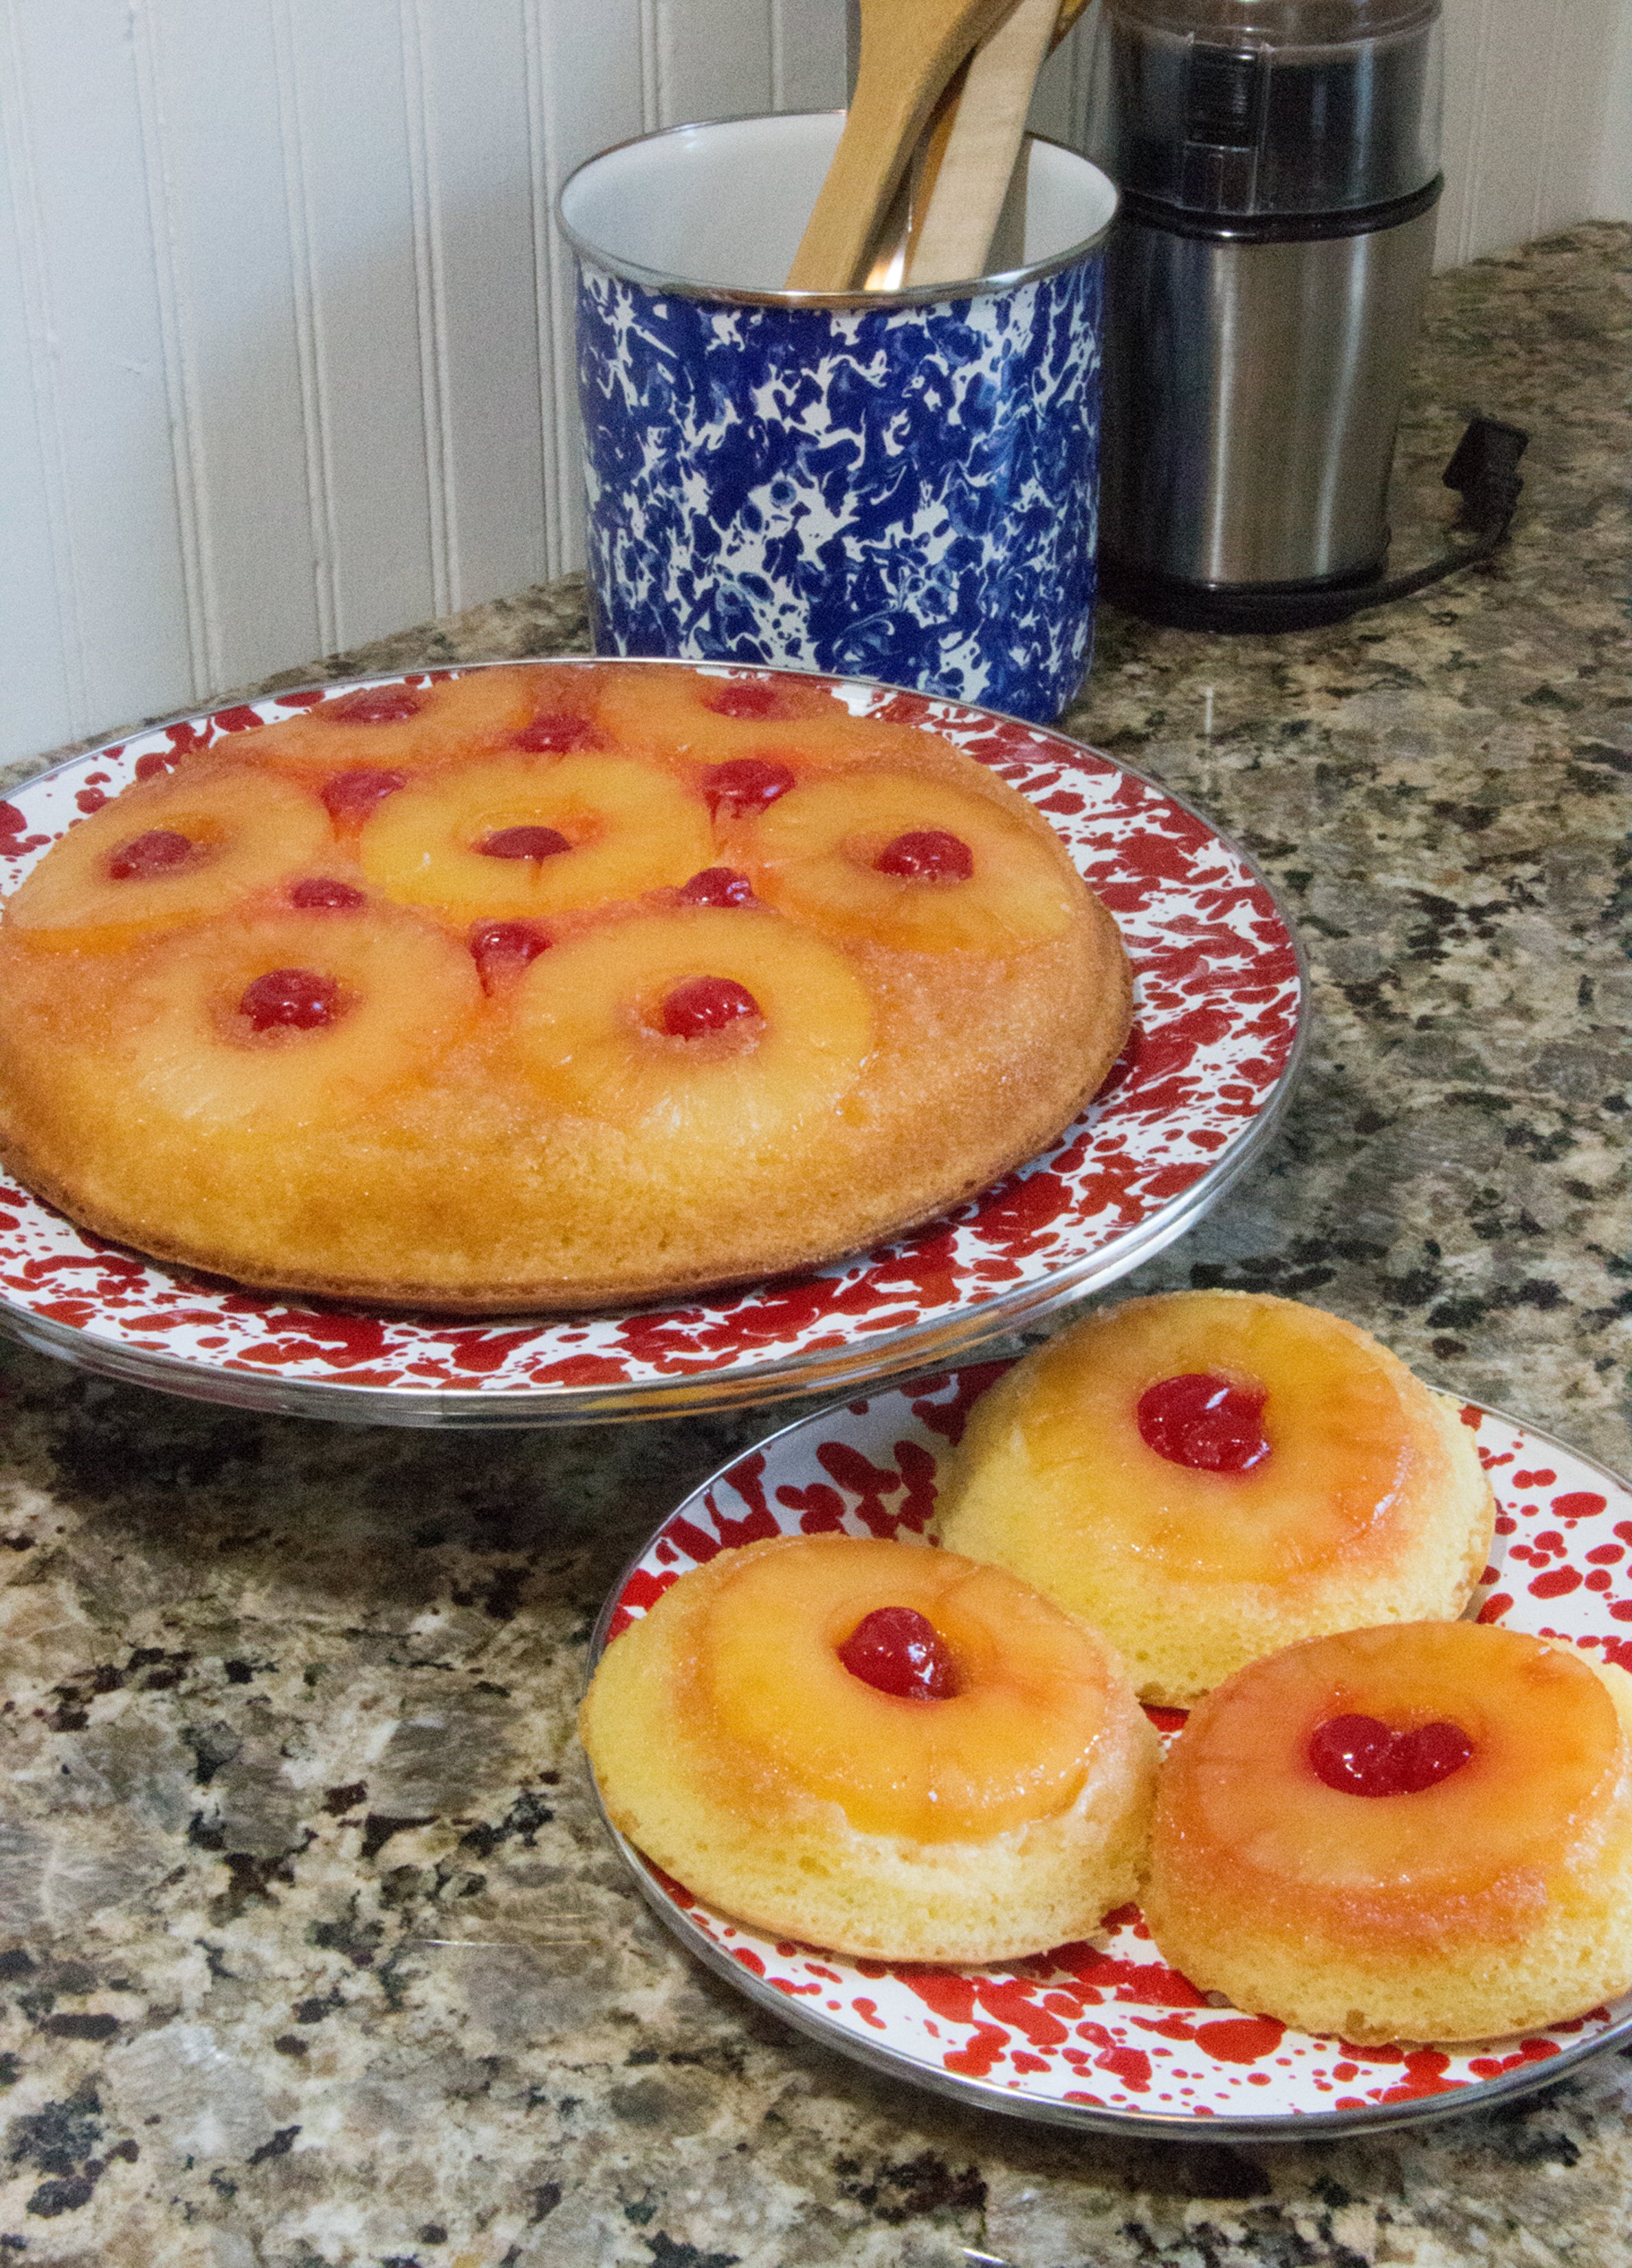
x=1421 y=1832
x=548 y=986
x=1210 y=1475
x=876 y=1747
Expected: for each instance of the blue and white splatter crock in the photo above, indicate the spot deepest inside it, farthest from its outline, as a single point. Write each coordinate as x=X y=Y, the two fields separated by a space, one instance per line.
x=900 y=485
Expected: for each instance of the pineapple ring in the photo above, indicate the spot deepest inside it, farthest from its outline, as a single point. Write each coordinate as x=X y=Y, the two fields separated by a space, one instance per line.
x=1492 y=1901
x=1538 y=1718
x=631 y=829
x=451 y=717
x=1015 y=1742
x=406 y=991
x=1370 y=1503
x=1338 y=1446
x=672 y=713
x=588 y=1018
x=676 y=712
x=251 y=829
x=812 y=853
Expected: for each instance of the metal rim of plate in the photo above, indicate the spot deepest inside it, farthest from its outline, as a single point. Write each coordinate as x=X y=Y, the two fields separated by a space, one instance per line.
x=1154 y=2126
x=868 y=1359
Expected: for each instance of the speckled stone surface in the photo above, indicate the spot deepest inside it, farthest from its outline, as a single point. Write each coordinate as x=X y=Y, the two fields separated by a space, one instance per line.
x=310 y=1950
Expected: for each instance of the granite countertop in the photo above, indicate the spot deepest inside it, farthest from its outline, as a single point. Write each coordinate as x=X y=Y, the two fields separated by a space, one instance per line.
x=310 y=1948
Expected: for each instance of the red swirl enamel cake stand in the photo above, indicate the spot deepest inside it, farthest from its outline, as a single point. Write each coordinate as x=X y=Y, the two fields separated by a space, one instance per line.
x=1101 y=2035
x=1218 y=1021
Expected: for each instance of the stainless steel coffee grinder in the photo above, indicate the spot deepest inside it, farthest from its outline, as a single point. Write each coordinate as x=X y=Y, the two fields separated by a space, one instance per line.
x=1278 y=162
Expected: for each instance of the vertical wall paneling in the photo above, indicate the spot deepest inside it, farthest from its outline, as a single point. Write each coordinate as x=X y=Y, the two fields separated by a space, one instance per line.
x=236 y=291
x=1611 y=185
x=38 y=703
x=1577 y=124
x=589 y=88
x=1547 y=61
x=1060 y=107
x=315 y=433
x=713 y=59
x=548 y=250
x=285 y=326
x=430 y=313
x=480 y=187
x=1528 y=102
x=651 y=64
x=349 y=195
x=186 y=443
x=97 y=364
x=1466 y=26
x=807 y=54
x=1515 y=68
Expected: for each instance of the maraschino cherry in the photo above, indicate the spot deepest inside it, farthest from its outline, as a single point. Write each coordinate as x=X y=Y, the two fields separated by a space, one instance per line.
x=718 y=885
x=927 y=854
x=375 y=704
x=355 y=794
x=1205 y=1421
x=899 y=1650
x=503 y=949
x=1361 y=1755
x=524 y=842
x=321 y=894
x=161 y=850
x=289 y=999
x=745 y=784
x=555 y=734
x=747 y=700
x=706 y=1004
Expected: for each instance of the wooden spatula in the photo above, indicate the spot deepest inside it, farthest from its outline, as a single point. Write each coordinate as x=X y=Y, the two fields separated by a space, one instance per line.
x=910 y=48
x=982 y=143
x=979 y=133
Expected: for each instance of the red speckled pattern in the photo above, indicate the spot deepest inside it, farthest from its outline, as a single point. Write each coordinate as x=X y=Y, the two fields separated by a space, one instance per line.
x=1218 y=1002
x=1103 y=2032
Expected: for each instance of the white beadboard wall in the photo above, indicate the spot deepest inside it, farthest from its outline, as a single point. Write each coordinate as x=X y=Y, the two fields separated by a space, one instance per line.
x=284 y=328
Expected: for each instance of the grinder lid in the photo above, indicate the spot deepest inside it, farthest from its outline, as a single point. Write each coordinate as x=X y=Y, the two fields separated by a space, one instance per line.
x=1278 y=23
x=1254 y=108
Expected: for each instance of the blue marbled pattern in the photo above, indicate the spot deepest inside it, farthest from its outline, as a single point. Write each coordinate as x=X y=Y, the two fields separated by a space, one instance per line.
x=906 y=492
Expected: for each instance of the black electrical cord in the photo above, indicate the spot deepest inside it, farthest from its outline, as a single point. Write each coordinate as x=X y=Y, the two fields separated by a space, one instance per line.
x=1483 y=469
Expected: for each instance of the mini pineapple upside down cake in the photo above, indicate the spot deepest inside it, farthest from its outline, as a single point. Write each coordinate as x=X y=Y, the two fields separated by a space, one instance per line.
x=883 y=1749
x=1207 y=1476
x=1417 y=1832
x=548 y=986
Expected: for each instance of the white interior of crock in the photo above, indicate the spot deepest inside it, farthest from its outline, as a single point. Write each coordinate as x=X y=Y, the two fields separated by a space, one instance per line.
x=727 y=204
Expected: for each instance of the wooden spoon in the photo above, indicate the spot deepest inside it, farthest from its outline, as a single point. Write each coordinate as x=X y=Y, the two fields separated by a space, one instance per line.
x=983 y=142
x=1001 y=75
x=910 y=48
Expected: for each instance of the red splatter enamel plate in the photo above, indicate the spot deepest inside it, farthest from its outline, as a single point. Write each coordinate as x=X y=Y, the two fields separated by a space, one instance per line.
x=1101 y=2035
x=1218 y=1018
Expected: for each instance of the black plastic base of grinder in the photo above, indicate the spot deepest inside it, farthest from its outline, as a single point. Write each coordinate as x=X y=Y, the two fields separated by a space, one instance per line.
x=1483 y=471
x=1239 y=607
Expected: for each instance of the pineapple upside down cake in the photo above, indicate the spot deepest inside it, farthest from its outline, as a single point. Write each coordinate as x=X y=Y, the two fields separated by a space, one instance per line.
x=548 y=986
